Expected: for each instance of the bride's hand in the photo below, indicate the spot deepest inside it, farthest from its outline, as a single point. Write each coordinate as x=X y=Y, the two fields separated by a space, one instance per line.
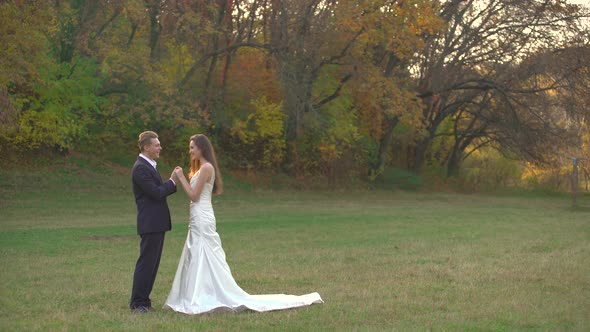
x=178 y=171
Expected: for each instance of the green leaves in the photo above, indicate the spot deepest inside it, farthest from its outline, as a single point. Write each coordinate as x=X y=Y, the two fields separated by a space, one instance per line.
x=65 y=104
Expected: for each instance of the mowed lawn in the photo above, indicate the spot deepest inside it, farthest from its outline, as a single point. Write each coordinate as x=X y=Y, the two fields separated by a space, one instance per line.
x=380 y=260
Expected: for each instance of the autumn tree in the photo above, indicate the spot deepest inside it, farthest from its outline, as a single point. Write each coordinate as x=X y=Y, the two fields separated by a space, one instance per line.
x=473 y=60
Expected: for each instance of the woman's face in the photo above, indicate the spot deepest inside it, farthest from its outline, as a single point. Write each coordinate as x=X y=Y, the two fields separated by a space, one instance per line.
x=194 y=151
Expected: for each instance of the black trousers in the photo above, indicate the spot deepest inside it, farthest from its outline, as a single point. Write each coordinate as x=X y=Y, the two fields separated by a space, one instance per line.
x=146 y=268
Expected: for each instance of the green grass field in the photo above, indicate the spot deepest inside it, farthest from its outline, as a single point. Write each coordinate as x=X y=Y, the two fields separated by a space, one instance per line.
x=380 y=260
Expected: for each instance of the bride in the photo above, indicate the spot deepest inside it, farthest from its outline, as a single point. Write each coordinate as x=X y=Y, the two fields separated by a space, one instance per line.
x=203 y=280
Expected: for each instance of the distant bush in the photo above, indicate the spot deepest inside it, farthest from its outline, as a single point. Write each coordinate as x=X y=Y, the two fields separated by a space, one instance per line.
x=488 y=169
x=396 y=178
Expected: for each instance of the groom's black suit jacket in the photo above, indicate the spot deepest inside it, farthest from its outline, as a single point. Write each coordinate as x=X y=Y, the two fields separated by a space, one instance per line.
x=150 y=193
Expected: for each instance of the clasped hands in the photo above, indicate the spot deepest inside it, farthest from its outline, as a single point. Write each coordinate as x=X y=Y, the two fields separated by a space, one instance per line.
x=176 y=173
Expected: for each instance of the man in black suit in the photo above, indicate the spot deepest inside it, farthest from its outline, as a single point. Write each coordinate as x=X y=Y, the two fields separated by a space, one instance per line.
x=153 y=218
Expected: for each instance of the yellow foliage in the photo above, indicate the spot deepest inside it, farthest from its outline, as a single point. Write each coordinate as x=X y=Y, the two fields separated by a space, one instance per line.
x=263 y=128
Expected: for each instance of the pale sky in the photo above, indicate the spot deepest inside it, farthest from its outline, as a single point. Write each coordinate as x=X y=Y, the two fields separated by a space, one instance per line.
x=580 y=2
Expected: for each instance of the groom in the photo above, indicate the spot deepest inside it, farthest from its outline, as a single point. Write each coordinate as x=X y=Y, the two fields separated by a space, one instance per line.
x=153 y=218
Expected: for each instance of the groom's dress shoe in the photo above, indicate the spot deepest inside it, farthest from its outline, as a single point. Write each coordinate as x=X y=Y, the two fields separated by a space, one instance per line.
x=141 y=310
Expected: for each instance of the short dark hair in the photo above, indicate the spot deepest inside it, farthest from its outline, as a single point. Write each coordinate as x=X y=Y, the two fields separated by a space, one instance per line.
x=145 y=138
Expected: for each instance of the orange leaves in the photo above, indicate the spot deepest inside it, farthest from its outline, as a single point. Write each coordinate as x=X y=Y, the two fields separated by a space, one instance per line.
x=252 y=74
x=397 y=26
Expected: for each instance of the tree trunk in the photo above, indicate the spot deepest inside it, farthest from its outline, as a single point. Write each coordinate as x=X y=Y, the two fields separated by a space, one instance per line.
x=297 y=100
x=418 y=155
x=458 y=154
x=215 y=42
x=153 y=8
x=454 y=161
x=385 y=146
x=224 y=78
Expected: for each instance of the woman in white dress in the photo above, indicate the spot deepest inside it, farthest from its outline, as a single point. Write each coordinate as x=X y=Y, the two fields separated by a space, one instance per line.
x=203 y=280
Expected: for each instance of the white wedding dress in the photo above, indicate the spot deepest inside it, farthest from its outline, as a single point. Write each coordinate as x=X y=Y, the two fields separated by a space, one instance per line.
x=203 y=280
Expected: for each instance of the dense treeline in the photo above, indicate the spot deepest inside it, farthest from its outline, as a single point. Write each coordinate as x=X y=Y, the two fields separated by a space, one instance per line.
x=336 y=88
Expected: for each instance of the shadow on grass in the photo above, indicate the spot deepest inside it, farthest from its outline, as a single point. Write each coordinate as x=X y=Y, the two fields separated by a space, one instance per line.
x=109 y=238
x=583 y=209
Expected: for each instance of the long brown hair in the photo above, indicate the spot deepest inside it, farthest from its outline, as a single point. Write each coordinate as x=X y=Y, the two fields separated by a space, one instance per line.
x=204 y=145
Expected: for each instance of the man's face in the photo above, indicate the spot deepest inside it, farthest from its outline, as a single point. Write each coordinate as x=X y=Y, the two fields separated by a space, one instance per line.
x=152 y=150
